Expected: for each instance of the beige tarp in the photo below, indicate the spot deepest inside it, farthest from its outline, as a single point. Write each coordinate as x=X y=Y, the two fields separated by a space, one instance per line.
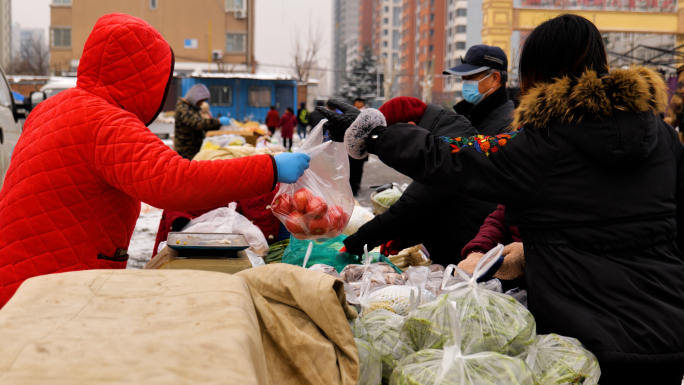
x=176 y=327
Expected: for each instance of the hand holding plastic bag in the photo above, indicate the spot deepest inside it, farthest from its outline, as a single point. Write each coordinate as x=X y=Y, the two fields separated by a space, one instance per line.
x=490 y=321
x=320 y=203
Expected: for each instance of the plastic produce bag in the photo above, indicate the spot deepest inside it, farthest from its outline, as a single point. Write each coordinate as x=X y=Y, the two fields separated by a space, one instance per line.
x=227 y=220
x=452 y=367
x=320 y=203
x=519 y=295
x=381 y=329
x=556 y=359
x=397 y=299
x=489 y=321
x=324 y=252
x=388 y=197
x=429 y=326
x=359 y=217
x=370 y=368
x=449 y=367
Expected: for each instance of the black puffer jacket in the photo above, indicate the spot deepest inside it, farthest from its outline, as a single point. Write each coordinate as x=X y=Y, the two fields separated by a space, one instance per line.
x=443 y=221
x=592 y=181
x=492 y=116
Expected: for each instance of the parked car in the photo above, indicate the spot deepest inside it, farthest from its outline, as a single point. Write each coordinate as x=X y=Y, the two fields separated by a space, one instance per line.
x=11 y=119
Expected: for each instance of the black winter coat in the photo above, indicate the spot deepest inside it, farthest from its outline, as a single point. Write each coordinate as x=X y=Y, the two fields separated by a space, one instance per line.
x=492 y=116
x=443 y=221
x=592 y=181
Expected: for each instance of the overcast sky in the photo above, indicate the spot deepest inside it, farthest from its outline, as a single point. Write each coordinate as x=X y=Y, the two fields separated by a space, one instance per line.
x=276 y=21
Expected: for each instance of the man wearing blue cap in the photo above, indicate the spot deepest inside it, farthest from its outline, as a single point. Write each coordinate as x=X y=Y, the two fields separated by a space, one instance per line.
x=485 y=102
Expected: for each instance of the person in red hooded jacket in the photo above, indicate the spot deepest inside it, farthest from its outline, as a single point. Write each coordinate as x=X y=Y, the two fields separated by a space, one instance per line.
x=287 y=124
x=86 y=159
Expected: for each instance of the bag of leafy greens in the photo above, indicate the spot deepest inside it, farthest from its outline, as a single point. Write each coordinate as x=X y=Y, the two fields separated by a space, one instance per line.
x=490 y=321
x=370 y=369
x=429 y=326
x=381 y=329
x=562 y=360
x=452 y=367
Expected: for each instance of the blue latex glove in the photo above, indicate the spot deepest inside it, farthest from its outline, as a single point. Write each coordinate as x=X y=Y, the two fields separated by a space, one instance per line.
x=291 y=166
x=224 y=120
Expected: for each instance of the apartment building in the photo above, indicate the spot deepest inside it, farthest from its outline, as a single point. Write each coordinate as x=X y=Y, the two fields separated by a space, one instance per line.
x=214 y=34
x=345 y=21
x=387 y=37
x=5 y=32
x=463 y=29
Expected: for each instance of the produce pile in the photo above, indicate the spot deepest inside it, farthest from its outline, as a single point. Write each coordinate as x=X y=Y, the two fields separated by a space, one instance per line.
x=471 y=335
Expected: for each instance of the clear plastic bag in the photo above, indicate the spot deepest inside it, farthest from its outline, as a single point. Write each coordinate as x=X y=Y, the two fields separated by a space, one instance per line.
x=519 y=295
x=429 y=326
x=449 y=367
x=490 y=321
x=562 y=360
x=227 y=220
x=320 y=203
x=370 y=368
x=381 y=329
x=452 y=367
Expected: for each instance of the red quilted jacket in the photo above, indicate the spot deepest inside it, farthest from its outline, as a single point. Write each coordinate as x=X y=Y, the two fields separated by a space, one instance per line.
x=86 y=160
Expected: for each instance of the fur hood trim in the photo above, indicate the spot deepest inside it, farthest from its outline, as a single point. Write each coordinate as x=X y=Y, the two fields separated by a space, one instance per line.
x=637 y=89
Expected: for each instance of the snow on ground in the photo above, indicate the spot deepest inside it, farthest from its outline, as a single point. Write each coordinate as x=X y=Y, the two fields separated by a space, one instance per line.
x=142 y=242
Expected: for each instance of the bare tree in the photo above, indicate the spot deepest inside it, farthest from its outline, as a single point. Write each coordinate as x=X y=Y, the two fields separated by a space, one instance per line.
x=33 y=58
x=304 y=54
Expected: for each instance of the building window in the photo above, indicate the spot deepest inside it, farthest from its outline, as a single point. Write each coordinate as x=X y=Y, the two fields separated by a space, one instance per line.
x=432 y=17
x=460 y=29
x=60 y=37
x=235 y=5
x=396 y=18
x=396 y=37
x=460 y=45
x=461 y=12
x=432 y=32
x=385 y=20
x=235 y=42
x=385 y=32
x=431 y=48
x=384 y=44
x=221 y=95
x=61 y=2
x=386 y=9
x=153 y=4
x=259 y=97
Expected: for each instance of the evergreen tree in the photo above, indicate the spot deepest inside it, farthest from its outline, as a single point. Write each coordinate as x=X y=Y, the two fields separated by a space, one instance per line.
x=361 y=80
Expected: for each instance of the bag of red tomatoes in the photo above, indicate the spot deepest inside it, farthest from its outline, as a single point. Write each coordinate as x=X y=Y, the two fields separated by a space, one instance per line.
x=320 y=203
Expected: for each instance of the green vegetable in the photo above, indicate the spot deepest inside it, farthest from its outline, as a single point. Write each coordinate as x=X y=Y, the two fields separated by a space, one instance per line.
x=429 y=326
x=491 y=321
x=382 y=329
x=370 y=369
x=488 y=368
x=387 y=197
x=556 y=359
x=276 y=250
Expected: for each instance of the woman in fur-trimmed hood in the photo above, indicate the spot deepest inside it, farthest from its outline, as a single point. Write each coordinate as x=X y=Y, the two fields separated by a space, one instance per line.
x=592 y=180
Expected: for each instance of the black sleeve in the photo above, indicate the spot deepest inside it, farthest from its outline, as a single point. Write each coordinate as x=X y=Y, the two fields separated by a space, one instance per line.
x=507 y=168
x=405 y=219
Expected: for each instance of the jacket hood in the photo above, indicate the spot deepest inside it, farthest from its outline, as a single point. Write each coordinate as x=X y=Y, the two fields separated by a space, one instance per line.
x=613 y=118
x=127 y=62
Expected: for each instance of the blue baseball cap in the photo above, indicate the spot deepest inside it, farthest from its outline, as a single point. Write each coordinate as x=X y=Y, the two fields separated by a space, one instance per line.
x=480 y=58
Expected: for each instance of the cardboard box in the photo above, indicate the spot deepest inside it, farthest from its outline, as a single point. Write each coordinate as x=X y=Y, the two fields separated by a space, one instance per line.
x=250 y=137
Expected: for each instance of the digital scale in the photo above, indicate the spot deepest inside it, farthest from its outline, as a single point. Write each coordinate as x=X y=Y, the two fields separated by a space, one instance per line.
x=221 y=252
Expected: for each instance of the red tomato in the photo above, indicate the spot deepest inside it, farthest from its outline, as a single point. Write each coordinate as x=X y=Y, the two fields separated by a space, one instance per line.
x=316 y=207
x=344 y=217
x=319 y=226
x=334 y=217
x=295 y=223
x=300 y=198
x=282 y=205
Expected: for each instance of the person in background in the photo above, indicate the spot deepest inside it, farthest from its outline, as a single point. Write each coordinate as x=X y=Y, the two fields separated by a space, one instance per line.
x=485 y=102
x=190 y=126
x=356 y=165
x=316 y=115
x=592 y=179
x=86 y=159
x=302 y=121
x=272 y=119
x=287 y=125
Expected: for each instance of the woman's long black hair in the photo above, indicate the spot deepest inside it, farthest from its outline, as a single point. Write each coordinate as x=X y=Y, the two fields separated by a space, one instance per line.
x=566 y=45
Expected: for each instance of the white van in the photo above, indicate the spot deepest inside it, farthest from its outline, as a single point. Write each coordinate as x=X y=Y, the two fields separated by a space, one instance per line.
x=58 y=84
x=10 y=125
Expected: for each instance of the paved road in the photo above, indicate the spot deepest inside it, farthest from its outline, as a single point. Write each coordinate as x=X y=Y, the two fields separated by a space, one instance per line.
x=376 y=173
